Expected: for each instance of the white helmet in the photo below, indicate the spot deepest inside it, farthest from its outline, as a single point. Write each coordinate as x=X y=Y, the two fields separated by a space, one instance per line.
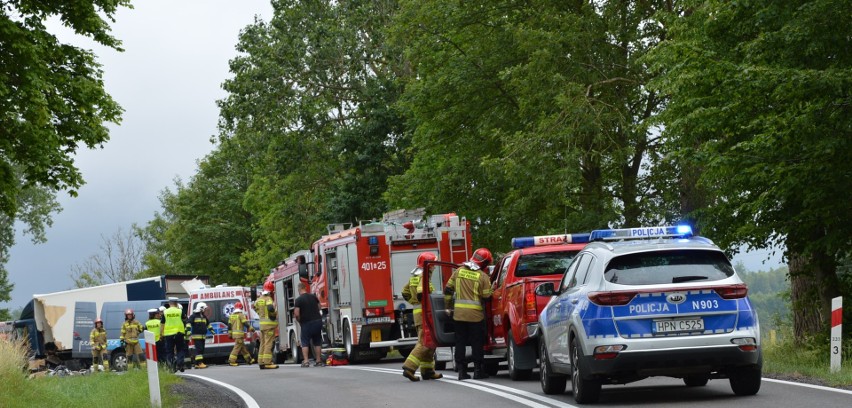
x=200 y=307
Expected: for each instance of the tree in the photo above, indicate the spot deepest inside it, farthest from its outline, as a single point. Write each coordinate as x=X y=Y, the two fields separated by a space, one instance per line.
x=529 y=117
x=120 y=260
x=53 y=95
x=760 y=102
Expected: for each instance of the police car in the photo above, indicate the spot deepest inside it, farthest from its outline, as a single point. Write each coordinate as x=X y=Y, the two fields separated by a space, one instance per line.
x=643 y=302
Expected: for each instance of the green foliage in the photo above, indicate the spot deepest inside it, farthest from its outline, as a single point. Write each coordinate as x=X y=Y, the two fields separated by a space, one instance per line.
x=769 y=292
x=51 y=94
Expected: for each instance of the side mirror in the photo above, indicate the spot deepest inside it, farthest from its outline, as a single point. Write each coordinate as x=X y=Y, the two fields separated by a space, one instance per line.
x=545 y=289
x=303 y=271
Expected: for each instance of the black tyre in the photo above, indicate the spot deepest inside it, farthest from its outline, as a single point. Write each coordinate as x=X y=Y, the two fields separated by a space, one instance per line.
x=277 y=356
x=351 y=351
x=492 y=367
x=696 y=380
x=585 y=391
x=515 y=373
x=745 y=381
x=551 y=383
x=440 y=365
x=295 y=349
x=405 y=351
x=118 y=361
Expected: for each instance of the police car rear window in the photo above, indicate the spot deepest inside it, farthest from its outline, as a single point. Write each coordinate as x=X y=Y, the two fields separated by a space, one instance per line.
x=548 y=263
x=663 y=267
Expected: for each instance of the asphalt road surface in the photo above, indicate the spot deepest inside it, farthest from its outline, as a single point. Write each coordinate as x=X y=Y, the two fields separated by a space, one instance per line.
x=382 y=385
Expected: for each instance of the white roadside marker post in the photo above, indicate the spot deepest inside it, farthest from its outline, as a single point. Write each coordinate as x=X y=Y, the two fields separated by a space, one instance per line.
x=836 y=332
x=153 y=371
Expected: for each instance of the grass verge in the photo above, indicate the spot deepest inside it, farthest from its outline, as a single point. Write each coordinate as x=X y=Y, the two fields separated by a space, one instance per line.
x=128 y=389
x=803 y=363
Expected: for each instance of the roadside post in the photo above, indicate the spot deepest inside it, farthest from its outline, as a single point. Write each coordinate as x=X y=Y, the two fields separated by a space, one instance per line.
x=836 y=332
x=153 y=370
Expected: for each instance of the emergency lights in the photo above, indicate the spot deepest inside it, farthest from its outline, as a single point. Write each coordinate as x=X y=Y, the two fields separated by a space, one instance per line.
x=543 y=240
x=676 y=231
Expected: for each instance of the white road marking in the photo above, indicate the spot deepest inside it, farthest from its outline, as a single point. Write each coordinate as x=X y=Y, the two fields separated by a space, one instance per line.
x=247 y=399
x=818 y=387
x=522 y=397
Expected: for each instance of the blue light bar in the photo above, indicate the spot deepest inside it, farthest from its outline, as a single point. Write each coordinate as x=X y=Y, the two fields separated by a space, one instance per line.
x=678 y=231
x=543 y=240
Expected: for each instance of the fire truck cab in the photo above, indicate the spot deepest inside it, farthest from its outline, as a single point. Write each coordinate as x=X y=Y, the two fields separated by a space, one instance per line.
x=358 y=273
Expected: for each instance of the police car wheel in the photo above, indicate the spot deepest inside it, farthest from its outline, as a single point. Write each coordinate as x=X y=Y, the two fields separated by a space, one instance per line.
x=119 y=361
x=551 y=383
x=745 y=381
x=585 y=391
x=696 y=380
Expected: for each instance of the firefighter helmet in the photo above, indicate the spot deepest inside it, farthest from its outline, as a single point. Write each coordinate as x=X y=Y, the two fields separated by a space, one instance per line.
x=482 y=258
x=98 y=320
x=238 y=306
x=129 y=312
x=268 y=287
x=200 y=307
x=425 y=256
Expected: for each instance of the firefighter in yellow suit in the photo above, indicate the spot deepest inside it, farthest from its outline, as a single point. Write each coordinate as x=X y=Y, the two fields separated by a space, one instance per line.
x=130 y=331
x=422 y=356
x=237 y=323
x=467 y=289
x=98 y=341
x=265 y=308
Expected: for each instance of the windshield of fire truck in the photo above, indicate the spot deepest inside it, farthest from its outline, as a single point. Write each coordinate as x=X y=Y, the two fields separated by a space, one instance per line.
x=547 y=263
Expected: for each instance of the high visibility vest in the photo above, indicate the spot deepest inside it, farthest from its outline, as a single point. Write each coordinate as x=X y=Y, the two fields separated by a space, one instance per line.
x=261 y=306
x=174 y=324
x=153 y=326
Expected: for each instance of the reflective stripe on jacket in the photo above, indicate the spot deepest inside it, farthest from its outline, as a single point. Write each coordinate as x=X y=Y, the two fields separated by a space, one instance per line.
x=237 y=322
x=198 y=326
x=470 y=287
x=410 y=291
x=130 y=331
x=261 y=306
x=98 y=339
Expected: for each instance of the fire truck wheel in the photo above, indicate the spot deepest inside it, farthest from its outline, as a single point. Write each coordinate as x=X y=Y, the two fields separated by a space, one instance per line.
x=295 y=349
x=351 y=353
x=405 y=351
x=440 y=365
x=277 y=355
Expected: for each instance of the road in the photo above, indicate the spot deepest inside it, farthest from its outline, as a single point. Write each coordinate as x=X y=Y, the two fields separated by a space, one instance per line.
x=382 y=385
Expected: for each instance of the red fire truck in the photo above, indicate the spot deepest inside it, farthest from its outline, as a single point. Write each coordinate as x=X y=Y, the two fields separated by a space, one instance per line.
x=286 y=277
x=358 y=273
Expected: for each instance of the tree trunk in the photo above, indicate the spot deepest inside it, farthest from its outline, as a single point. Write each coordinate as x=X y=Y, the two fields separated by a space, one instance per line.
x=808 y=316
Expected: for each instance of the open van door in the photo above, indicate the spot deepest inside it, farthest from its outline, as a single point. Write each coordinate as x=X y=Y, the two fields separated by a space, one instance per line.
x=438 y=327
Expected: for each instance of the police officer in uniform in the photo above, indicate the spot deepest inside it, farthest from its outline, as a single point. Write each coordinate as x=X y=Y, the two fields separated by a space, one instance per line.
x=470 y=286
x=173 y=335
x=422 y=356
x=197 y=325
x=130 y=331
x=153 y=325
x=265 y=308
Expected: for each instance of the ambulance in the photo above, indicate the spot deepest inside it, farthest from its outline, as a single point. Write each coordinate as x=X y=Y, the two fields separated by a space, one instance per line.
x=220 y=302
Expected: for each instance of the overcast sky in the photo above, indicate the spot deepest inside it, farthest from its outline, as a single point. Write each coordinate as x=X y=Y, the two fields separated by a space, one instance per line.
x=167 y=80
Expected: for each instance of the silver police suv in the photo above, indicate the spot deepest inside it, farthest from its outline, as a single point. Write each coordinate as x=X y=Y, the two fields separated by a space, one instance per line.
x=643 y=302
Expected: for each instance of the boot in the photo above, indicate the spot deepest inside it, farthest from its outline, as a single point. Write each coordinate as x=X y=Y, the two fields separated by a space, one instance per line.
x=479 y=372
x=201 y=365
x=428 y=374
x=233 y=363
x=271 y=366
x=409 y=373
x=463 y=372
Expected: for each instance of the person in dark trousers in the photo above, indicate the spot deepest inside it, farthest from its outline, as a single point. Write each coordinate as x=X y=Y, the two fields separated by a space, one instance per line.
x=173 y=331
x=307 y=313
x=197 y=325
x=466 y=290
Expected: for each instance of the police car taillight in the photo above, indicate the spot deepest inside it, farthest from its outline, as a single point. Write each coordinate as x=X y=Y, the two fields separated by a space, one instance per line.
x=613 y=298
x=608 y=352
x=745 y=343
x=676 y=231
x=737 y=291
x=543 y=240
